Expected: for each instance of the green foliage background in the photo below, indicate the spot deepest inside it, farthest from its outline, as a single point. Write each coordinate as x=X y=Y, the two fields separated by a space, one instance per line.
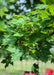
x=29 y=35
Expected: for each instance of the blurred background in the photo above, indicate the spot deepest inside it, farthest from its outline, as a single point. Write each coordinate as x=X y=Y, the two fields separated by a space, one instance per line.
x=18 y=7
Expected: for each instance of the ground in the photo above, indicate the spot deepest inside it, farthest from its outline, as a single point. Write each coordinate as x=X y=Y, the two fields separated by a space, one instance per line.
x=20 y=67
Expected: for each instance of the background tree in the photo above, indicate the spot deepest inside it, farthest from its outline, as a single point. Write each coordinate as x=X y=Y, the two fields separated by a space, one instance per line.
x=9 y=7
x=30 y=34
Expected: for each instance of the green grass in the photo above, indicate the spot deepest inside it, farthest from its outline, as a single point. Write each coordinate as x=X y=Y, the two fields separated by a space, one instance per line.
x=20 y=67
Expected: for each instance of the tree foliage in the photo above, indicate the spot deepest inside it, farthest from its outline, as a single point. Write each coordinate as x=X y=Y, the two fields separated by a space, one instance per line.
x=30 y=34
